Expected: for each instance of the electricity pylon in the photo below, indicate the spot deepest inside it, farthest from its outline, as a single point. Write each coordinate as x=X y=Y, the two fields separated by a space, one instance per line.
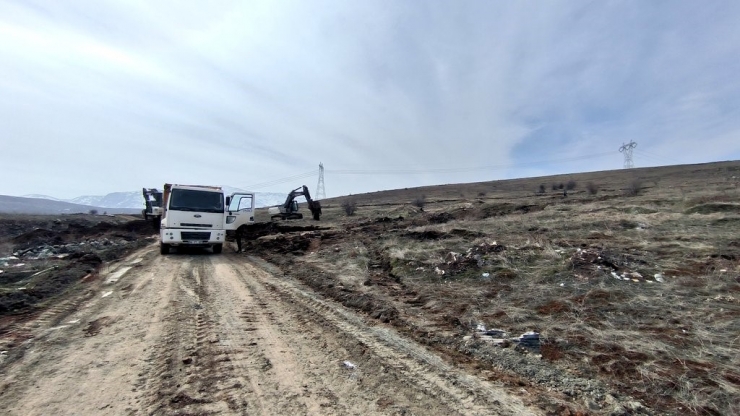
x=320 y=189
x=627 y=150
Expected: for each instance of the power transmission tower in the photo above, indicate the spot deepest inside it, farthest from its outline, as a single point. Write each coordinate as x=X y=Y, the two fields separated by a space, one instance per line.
x=627 y=150
x=320 y=189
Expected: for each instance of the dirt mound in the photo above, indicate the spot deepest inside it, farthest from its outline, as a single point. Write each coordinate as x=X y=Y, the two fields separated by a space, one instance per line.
x=45 y=262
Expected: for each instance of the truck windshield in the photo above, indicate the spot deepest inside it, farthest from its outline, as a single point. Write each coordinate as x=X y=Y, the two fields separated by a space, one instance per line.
x=201 y=201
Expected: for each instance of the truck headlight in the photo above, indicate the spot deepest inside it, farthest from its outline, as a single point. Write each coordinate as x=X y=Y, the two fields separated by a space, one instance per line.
x=230 y=219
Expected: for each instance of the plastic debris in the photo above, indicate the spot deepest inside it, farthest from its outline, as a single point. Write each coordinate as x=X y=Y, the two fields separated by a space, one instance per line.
x=529 y=339
x=498 y=333
x=106 y=294
x=616 y=276
x=659 y=278
x=350 y=365
x=480 y=327
x=439 y=271
x=562 y=285
x=485 y=275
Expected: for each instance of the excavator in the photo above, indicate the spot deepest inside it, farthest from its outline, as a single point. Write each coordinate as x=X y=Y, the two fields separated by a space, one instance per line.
x=289 y=209
x=153 y=203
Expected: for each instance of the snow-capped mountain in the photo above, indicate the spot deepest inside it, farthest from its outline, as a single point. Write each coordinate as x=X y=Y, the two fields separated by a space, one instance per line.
x=38 y=196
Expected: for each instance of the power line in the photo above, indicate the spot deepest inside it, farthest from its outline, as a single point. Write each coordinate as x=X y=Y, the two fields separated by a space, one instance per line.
x=321 y=192
x=282 y=180
x=457 y=170
x=661 y=159
x=627 y=150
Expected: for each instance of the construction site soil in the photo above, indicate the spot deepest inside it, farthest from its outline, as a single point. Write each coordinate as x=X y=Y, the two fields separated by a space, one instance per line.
x=613 y=293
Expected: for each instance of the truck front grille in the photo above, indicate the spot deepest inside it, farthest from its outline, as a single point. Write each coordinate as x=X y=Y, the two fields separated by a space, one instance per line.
x=195 y=235
x=188 y=224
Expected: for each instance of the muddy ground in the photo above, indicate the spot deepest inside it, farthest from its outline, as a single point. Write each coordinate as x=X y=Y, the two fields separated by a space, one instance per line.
x=508 y=297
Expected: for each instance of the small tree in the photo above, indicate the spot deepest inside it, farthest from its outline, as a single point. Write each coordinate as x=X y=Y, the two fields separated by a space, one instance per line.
x=93 y=212
x=571 y=185
x=592 y=188
x=542 y=189
x=633 y=188
x=420 y=202
x=560 y=185
x=349 y=206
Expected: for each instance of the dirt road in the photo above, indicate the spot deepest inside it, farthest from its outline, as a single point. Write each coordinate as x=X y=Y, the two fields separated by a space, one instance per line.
x=223 y=334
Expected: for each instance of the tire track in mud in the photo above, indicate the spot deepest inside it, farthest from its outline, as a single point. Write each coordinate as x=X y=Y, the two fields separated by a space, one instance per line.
x=73 y=369
x=204 y=334
x=402 y=373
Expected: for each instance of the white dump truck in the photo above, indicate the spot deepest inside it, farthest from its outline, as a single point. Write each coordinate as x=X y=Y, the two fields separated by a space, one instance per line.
x=200 y=216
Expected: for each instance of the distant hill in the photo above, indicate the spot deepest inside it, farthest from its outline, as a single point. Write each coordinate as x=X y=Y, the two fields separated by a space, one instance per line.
x=132 y=201
x=43 y=206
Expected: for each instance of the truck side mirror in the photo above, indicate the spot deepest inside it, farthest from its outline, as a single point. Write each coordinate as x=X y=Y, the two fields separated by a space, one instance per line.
x=228 y=201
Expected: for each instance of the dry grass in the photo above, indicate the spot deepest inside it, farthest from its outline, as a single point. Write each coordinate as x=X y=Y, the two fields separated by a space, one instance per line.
x=665 y=332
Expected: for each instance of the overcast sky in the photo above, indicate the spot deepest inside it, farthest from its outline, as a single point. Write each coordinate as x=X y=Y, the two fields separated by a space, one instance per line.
x=100 y=96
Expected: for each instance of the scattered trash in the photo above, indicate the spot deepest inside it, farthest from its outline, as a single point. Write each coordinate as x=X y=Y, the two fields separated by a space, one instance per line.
x=486 y=275
x=1 y=272
x=480 y=328
x=500 y=333
x=75 y=321
x=723 y=270
x=350 y=365
x=20 y=265
x=106 y=294
x=562 y=285
x=439 y=271
x=659 y=278
x=616 y=276
x=529 y=339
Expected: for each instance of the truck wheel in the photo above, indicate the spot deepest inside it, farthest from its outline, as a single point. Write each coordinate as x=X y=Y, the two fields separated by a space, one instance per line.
x=217 y=248
x=164 y=248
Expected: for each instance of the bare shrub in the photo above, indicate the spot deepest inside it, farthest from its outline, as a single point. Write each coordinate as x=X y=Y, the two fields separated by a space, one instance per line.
x=633 y=188
x=542 y=189
x=554 y=187
x=349 y=206
x=592 y=188
x=419 y=202
x=481 y=194
x=560 y=185
x=93 y=212
x=571 y=185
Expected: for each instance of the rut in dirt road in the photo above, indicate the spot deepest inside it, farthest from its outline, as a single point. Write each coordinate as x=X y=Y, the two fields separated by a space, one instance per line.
x=219 y=335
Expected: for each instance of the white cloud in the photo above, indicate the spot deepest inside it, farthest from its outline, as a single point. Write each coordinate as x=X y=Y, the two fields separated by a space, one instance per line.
x=110 y=96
